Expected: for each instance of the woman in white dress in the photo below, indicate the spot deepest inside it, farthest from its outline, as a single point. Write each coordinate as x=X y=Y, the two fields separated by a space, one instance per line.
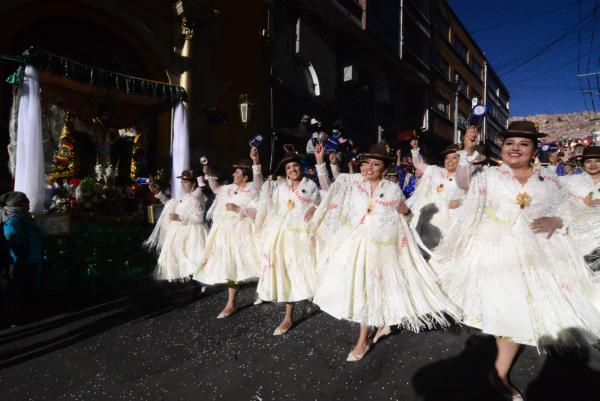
x=507 y=262
x=436 y=196
x=371 y=269
x=289 y=270
x=180 y=232
x=582 y=205
x=231 y=254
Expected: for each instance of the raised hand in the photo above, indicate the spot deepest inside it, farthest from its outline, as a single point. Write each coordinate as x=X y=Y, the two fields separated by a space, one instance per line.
x=153 y=187
x=254 y=155
x=470 y=140
x=207 y=170
x=319 y=153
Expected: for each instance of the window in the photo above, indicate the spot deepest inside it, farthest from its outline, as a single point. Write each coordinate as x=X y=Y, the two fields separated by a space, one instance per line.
x=461 y=48
x=503 y=96
x=462 y=121
x=313 y=80
x=297 y=44
x=439 y=63
x=476 y=67
x=348 y=73
x=441 y=104
x=463 y=86
x=441 y=25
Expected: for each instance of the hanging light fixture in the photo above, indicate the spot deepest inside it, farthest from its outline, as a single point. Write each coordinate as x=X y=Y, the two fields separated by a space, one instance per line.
x=244 y=109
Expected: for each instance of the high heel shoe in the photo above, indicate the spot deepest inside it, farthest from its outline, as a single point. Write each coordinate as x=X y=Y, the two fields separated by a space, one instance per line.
x=354 y=357
x=224 y=315
x=385 y=331
x=280 y=332
x=506 y=391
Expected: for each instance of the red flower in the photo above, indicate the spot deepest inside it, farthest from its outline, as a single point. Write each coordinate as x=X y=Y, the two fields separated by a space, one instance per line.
x=74 y=181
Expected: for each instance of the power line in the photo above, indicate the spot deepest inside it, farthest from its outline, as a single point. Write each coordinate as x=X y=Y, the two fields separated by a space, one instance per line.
x=558 y=67
x=526 y=18
x=579 y=64
x=549 y=53
x=548 y=45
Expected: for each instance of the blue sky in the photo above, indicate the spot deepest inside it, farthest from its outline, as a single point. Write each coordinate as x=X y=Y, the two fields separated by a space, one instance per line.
x=555 y=35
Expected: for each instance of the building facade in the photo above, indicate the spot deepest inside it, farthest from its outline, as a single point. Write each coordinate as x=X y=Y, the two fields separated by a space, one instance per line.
x=379 y=66
x=460 y=77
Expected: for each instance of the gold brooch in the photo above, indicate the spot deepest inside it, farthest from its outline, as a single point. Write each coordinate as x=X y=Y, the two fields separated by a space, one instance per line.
x=290 y=204
x=523 y=200
x=440 y=188
x=369 y=207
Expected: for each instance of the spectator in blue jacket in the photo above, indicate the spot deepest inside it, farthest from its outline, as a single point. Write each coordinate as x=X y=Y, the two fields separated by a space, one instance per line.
x=23 y=240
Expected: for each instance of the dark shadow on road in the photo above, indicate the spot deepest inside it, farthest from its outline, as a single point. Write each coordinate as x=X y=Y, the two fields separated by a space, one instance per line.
x=17 y=349
x=464 y=377
x=566 y=375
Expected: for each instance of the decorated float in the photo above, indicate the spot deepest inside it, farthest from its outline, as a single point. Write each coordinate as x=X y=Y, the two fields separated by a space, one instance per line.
x=81 y=149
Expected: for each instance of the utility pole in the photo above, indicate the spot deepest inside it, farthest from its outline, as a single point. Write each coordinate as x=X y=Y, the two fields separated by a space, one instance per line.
x=456 y=90
x=484 y=124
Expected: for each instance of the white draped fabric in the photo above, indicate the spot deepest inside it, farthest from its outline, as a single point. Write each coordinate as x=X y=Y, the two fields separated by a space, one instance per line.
x=180 y=147
x=29 y=171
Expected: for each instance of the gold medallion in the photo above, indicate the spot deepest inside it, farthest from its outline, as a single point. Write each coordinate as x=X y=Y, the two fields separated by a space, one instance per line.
x=523 y=200
x=290 y=204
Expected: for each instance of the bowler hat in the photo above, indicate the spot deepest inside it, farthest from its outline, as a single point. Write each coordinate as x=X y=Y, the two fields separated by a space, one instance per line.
x=591 y=152
x=522 y=129
x=187 y=175
x=288 y=157
x=455 y=147
x=377 y=151
x=243 y=163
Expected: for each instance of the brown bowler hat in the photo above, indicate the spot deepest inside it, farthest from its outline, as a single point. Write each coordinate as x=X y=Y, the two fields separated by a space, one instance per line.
x=187 y=175
x=591 y=152
x=243 y=163
x=455 y=147
x=288 y=157
x=522 y=129
x=377 y=151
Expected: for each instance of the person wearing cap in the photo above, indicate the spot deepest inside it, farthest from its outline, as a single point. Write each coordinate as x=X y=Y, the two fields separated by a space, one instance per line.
x=371 y=270
x=180 y=232
x=581 y=205
x=406 y=177
x=437 y=197
x=287 y=247
x=23 y=240
x=231 y=254
x=508 y=261
x=554 y=167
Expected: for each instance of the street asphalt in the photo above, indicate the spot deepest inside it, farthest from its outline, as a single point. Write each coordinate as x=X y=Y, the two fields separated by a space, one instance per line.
x=167 y=345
